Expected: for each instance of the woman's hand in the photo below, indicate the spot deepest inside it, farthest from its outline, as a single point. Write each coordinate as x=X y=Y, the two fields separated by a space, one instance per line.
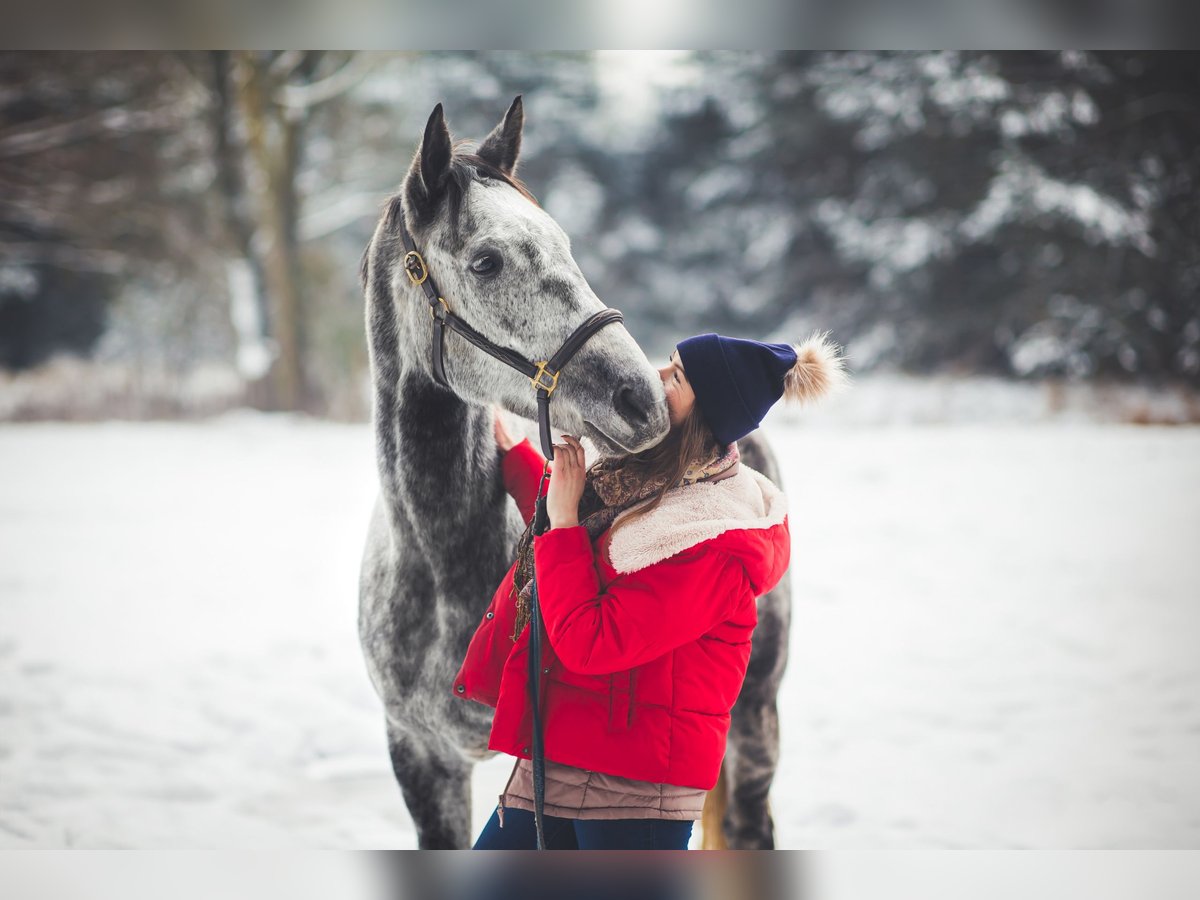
x=504 y=439
x=566 y=484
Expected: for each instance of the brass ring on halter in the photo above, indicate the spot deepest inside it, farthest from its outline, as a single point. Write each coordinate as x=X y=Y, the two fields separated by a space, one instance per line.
x=415 y=263
x=536 y=379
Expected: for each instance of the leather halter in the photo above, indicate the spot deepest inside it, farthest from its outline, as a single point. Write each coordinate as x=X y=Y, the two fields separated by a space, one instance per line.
x=543 y=375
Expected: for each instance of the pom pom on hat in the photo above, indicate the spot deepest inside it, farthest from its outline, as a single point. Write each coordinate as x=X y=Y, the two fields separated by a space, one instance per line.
x=819 y=370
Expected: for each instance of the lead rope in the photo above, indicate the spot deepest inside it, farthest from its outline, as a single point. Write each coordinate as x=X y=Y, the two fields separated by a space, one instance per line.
x=541 y=522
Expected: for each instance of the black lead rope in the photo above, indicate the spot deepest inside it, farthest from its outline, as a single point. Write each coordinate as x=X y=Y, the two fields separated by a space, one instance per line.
x=541 y=522
x=544 y=377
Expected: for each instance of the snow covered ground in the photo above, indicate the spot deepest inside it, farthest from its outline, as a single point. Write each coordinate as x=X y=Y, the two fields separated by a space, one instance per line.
x=994 y=637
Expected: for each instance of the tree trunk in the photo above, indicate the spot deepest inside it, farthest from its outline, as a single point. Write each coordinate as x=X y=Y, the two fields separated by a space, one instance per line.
x=247 y=282
x=274 y=142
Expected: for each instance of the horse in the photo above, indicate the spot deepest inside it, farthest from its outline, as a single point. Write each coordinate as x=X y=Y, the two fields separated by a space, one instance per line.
x=442 y=532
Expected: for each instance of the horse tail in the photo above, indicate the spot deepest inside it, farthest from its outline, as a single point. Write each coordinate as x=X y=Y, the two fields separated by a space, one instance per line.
x=715 y=802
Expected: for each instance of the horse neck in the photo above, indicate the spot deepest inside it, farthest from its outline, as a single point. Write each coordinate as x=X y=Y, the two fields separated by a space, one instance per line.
x=437 y=459
x=438 y=464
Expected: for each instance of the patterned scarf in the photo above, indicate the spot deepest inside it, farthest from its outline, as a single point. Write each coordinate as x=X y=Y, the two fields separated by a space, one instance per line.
x=609 y=489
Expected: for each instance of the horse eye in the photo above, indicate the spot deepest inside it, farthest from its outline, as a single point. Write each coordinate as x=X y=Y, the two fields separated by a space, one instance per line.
x=486 y=264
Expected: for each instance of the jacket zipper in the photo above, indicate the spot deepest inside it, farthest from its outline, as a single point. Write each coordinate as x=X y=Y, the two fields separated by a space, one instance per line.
x=500 y=808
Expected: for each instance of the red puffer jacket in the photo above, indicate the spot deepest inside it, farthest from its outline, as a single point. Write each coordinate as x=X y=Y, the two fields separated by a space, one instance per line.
x=647 y=631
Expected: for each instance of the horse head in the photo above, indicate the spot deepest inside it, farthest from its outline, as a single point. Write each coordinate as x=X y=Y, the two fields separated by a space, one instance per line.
x=504 y=265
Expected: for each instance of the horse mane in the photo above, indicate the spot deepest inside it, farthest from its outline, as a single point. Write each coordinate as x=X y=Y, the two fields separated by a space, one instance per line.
x=465 y=166
x=468 y=167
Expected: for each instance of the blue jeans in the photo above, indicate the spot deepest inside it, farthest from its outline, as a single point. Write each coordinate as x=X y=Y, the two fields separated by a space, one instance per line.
x=519 y=833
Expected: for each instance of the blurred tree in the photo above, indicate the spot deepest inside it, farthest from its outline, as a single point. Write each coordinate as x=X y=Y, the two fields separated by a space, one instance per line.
x=1142 y=147
x=1016 y=213
x=1027 y=213
x=97 y=174
x=273 y=96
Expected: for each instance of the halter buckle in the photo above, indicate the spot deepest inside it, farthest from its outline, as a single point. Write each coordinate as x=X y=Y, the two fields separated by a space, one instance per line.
x=415 y=268
x=433 y=309
x=536 y=379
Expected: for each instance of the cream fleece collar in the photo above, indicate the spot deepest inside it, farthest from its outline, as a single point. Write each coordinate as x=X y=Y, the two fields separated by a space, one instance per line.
x=694 y=513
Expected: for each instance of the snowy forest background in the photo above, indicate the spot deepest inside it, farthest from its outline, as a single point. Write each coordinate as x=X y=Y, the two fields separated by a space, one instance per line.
x=190 y=224
x=994 y=530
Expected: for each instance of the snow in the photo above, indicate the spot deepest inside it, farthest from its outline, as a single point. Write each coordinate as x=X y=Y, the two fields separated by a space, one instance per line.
x=1021 y=190
x=993 y=637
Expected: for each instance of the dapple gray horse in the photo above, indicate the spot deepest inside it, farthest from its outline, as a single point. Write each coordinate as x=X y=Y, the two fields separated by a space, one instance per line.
x=443 y=531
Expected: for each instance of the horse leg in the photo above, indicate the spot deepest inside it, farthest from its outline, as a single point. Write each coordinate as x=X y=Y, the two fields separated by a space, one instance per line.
x=436 y=784
x=752 y=754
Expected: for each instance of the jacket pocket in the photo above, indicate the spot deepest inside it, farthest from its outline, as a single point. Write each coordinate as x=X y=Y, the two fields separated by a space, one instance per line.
x=620 y=700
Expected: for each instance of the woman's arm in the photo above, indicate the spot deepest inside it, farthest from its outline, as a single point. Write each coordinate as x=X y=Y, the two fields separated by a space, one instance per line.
x=640 y=616
x=521 y=465
x=522 y=469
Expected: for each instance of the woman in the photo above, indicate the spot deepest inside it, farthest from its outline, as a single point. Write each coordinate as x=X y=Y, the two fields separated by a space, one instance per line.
x=647 y=582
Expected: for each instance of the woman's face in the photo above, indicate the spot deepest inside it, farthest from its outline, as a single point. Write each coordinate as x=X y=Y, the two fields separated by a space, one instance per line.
x=680 y=397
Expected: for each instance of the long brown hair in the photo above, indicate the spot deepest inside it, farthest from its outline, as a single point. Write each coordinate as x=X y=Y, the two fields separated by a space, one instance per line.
x=688 y=442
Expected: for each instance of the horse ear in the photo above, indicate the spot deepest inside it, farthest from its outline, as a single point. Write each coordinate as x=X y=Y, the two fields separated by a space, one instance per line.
x=430 y=166
x=502 y=147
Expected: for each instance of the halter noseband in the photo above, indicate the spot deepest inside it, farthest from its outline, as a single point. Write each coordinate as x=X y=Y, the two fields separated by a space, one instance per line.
x=543 y=375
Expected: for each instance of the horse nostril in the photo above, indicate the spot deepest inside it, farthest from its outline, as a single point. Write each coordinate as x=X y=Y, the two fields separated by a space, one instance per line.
x=630 y=406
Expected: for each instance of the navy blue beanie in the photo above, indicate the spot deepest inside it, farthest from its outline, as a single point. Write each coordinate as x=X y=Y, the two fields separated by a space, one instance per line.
x=737 y=381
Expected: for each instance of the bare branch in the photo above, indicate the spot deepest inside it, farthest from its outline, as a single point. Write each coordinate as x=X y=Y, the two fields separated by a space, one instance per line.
x=62 y=256
x=22 y=142
x=331 y=214
x=299 y=98
x=285 y=63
